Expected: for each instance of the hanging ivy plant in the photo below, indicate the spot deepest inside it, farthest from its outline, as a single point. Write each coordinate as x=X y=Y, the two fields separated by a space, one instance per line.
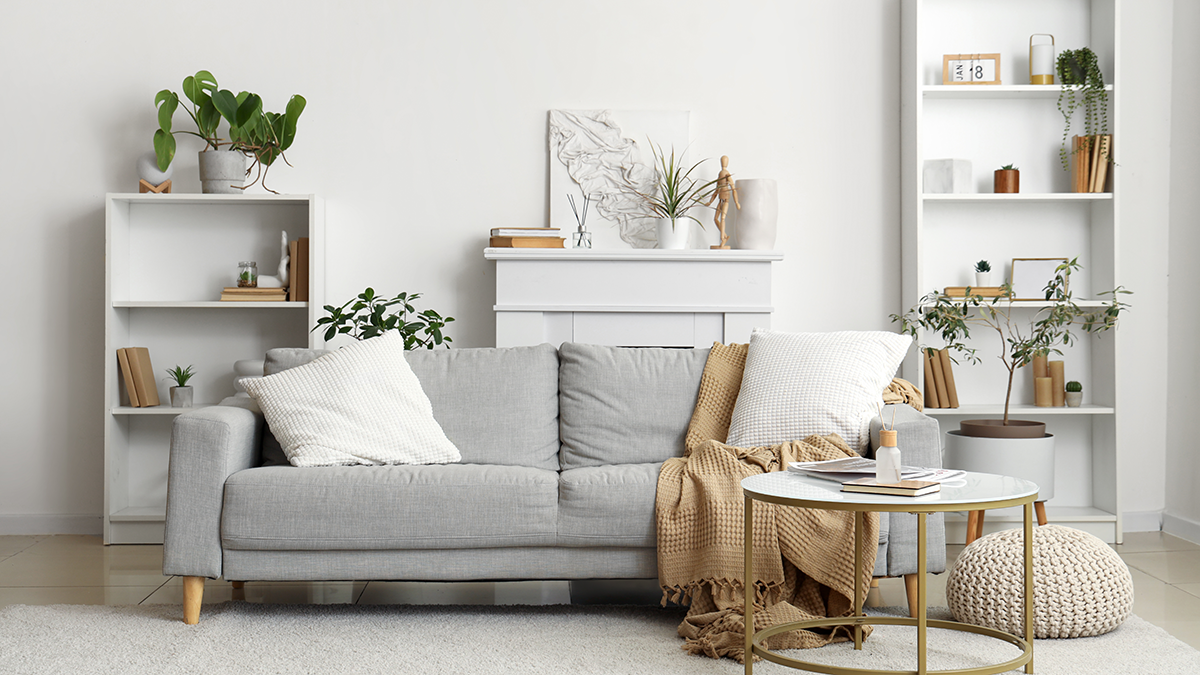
x=1082 y=83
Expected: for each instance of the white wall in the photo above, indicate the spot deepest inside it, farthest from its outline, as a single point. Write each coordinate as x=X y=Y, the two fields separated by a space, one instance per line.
x=426 y=126
x=1182 y=516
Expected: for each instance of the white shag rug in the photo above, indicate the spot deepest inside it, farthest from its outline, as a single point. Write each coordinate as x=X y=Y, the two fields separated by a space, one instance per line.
x=245 y=638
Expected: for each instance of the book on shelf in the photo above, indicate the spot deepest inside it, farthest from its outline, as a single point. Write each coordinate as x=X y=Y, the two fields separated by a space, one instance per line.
x=292 y=263
x=301 y=280
x=982 y=291
x=940 y=389
x=144 y=384
x=849 y=469
x=235 y=294
x=905 y=488
x=525 y=232
x=527 y=242
x=939 y=379
x=948 y=376
x=931 y=400
x=1091 y=156
x=127 y=375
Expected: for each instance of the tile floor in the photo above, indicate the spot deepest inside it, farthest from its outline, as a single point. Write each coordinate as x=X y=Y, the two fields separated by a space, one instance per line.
x=43 y=570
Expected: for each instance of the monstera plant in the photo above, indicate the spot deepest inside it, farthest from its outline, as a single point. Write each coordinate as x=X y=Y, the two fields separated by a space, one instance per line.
x=253 y=131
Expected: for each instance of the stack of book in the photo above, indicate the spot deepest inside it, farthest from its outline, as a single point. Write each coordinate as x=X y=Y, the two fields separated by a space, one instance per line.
x=139 y=376
x=526 y=237
x=1092 y=155
x=236 y=294
x=940 y=391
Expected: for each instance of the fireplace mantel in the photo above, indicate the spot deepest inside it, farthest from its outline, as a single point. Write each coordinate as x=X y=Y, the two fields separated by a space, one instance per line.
x=633 y=298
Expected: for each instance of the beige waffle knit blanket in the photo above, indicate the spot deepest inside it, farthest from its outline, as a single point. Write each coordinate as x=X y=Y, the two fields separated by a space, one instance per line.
x=803 y=558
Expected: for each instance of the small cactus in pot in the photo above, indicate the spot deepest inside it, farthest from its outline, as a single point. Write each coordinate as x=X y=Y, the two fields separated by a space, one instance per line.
x=1074 y=395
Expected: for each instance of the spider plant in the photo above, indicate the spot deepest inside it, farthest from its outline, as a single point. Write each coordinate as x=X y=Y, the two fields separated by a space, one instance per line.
x=676 y=191
x=180 y=375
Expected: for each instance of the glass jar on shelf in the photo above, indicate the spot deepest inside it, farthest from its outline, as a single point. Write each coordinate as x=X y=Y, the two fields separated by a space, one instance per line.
x=247 y=274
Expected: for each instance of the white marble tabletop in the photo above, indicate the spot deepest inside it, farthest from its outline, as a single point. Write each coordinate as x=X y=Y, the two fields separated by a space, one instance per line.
x=973 y=489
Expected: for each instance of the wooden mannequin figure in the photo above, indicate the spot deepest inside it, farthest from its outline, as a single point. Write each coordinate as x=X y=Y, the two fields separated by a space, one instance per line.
x=725 y=188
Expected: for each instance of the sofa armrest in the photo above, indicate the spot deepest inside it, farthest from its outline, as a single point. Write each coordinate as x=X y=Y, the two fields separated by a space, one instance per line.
x=207 y=446
x=920 y=441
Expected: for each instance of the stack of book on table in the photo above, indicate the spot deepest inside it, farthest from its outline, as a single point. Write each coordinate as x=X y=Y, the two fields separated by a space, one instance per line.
x=857 y=474
x=526 y=237
x=245 y=294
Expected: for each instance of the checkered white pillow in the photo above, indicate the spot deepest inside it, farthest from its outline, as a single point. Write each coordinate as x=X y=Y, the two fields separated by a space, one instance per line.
x=361 y=404
x=798 y=384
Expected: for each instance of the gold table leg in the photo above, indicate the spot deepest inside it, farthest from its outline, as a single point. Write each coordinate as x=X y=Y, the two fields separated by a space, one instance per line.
x=858 y=610
x=1029 y=583
x=922 y=619
x=748 y=585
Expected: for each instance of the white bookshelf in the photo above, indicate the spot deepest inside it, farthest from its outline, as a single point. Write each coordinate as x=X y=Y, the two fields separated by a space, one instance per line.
x=167 y=259
x=944 y=234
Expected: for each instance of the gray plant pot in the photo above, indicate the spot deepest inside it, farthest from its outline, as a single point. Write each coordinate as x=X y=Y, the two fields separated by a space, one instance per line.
x=181 y=397
x=222 y=172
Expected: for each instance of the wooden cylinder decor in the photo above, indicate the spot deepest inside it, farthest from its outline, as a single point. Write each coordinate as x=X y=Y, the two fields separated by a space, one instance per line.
x=1043 y=397
x=1041 y=367
x=1007 y=181
x=1058 y=384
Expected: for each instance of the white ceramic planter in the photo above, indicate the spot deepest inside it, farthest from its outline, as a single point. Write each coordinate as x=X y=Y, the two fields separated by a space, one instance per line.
x=758 y=218
x=673 y=234
x=1028 y=458
x=222 y=172
x=983 y=279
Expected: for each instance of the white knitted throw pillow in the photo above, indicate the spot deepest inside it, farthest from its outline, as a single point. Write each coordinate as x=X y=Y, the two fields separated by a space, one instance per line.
x=798 y=384
x=361 y=404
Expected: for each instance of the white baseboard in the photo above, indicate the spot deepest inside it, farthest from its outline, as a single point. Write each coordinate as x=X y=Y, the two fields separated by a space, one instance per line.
x=1142 y=521
x=51 y=524
x=1184 y=528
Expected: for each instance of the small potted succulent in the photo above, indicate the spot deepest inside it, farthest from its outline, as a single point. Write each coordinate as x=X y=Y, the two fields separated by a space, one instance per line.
x=181 y=393
x=983 y=274
x=1074 y=394
x=676 y=192
x=1007 y=180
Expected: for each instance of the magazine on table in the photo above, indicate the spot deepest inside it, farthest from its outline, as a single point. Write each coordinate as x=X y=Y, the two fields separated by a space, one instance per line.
x=853 y=468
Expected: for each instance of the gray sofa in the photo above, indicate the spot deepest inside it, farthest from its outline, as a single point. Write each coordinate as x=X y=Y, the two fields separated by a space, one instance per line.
x=560 y=456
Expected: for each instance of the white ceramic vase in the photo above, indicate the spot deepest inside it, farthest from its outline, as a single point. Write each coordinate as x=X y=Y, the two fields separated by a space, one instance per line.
x=759 y=215
x=222 y=172
x=673 y=233
x=1028 y=458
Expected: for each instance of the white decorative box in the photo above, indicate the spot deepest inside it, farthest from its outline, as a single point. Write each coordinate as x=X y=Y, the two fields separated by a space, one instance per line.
x=947 y=176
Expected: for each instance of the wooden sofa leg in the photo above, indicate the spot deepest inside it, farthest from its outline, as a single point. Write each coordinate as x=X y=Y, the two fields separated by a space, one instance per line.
x=193 y=594
x=238 y=585
x=910 y=587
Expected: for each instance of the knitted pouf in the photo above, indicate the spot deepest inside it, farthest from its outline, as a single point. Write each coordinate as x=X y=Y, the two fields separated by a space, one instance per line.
x=1081 y=587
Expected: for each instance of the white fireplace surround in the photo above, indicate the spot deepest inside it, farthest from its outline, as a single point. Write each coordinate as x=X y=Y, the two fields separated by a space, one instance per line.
x=631 y=298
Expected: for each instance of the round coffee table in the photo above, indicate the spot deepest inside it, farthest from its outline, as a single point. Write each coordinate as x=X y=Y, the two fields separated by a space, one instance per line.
x=975 y=491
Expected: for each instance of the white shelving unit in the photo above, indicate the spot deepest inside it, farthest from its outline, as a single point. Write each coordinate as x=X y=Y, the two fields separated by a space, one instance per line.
x=944 y=234
x=167 y=259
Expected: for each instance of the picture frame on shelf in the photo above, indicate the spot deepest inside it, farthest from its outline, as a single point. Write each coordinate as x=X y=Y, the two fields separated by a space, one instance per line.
x=971 y=69
x=1029 y=276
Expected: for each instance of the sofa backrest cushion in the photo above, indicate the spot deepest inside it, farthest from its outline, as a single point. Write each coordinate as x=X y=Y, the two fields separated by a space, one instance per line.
x=498 y=405
x=622 y=405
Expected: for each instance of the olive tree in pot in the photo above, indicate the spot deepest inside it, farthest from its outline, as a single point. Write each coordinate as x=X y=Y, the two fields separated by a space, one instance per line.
x=370 y=315
x=254 y=132
x=1008 y=446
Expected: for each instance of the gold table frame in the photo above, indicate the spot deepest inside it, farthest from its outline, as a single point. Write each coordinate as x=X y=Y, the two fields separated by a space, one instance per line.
x=858 y=620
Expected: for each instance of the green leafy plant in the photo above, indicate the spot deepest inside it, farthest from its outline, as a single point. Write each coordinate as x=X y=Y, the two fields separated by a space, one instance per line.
x=252 y=131
x=1082 y=87
x=370 y=315
x=180 y=375
x=676 y=191
x=1050 y=326
x=1009 y=167
x=983 y=266
x=1074 y=386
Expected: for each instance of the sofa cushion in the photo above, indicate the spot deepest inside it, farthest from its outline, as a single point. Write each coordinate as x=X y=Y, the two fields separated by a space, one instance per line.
x=798 y=384
x=389 y=507
x=498 y=406
x=361 y=404
x=607 y=505
x=625 y=406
